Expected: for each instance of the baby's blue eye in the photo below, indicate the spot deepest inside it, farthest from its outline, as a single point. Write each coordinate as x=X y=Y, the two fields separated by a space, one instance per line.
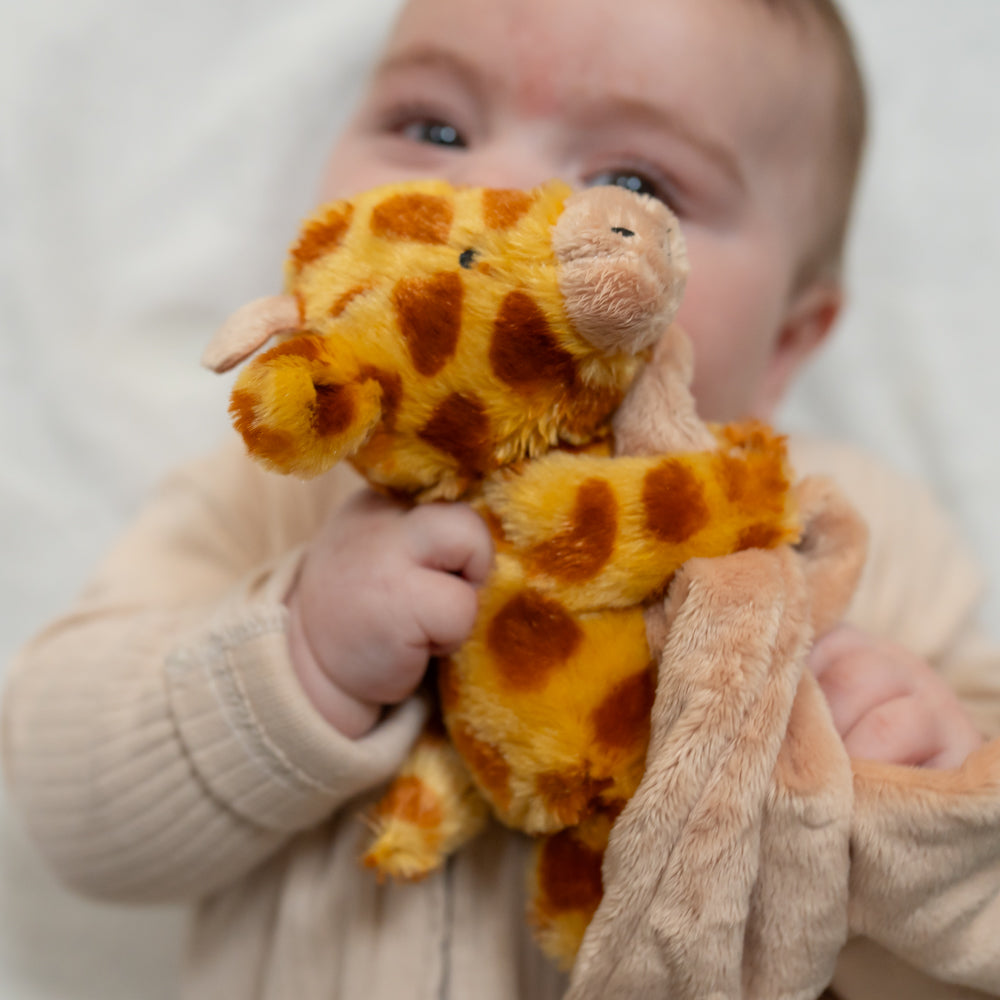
x=628 y=179
x=436 y=133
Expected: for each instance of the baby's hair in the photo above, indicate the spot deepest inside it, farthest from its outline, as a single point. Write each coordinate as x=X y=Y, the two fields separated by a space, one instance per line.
x=824 y=258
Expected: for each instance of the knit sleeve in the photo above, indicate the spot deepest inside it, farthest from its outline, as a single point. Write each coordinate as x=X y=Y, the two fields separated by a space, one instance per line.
x=155 y=738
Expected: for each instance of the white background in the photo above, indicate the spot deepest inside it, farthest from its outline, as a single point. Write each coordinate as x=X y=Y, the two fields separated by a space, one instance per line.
x=155 y=158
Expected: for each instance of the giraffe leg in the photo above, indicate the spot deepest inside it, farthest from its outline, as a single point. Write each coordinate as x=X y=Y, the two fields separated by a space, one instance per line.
x=306 y=404
x=430 y=810
x=600 y=532
x=566 y=886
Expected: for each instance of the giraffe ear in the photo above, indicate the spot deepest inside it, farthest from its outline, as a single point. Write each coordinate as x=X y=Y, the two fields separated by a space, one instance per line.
x=249 y=328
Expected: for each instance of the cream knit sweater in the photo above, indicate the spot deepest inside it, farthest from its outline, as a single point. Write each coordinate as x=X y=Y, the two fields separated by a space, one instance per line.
x=160 y=749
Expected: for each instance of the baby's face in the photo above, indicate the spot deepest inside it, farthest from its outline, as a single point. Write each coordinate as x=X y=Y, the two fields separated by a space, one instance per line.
x=718 y=107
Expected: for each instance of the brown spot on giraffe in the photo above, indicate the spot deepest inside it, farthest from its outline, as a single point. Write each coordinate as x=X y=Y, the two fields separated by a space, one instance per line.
x=459 y=427
x=429 y=311
x=570 y=796
x=673 y=501
x=580 y=551
x=590 y=406
x=322 y=235
x=486 y=763
x=411 y=800
x=733 y=476
x=750 y=435
x=271 y=445
x=392 y=391
x=621 y=720
x=759 y=536
x=421 y=218
x=333 y=409
x=502 y=208
x=530 y=636
x=569 y=873
x=749 y=483
x=308 y=347
x=755 y=477
x=524 y=353
x=347 y=298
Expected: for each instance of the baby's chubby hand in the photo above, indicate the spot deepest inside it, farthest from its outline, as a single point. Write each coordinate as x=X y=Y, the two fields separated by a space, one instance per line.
x=888 y=704
x=381 y=589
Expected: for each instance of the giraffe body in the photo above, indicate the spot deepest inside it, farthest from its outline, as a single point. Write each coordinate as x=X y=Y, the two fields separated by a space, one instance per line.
x=437 y=338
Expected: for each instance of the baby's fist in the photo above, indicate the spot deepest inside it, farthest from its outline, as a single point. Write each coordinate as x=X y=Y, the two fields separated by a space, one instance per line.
x=888 y=704
x=381 y=589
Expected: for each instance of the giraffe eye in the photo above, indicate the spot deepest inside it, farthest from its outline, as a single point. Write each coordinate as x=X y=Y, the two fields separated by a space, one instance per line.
x=467 y=258
x=622 y=231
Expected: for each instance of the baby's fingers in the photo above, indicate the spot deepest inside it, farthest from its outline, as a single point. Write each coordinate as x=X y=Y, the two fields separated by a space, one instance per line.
x=899 y=731
x=856 y=682
x=452 y=538
x=444 y=607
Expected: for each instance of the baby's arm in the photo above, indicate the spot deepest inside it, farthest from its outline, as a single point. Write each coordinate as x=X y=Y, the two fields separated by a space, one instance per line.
x=156 y=739
x=381 y=589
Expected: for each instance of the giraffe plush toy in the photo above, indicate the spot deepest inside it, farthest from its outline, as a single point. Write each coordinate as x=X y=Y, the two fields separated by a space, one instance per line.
x=437 y=338
x=633 y=692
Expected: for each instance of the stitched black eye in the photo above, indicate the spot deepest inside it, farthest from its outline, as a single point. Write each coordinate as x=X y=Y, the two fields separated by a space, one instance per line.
x=621 y=230
x=467 y=258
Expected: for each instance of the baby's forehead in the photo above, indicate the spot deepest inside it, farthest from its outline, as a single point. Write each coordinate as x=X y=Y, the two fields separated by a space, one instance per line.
x=588 y=45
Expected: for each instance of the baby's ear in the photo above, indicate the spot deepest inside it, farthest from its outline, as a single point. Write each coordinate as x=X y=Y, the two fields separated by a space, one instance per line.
x=249 y=328
x=807 y=322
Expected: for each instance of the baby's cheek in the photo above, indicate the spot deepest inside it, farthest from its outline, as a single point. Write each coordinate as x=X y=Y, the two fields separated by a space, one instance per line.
x=733 y=309
x=729 y=351
x=725 y=380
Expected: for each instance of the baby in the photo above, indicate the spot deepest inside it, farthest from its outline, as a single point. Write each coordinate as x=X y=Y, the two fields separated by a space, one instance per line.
x=234 y=686
x=760 y=168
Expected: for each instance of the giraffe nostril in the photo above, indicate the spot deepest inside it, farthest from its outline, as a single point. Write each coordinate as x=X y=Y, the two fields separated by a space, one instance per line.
x=622 y=231
x=467 y=258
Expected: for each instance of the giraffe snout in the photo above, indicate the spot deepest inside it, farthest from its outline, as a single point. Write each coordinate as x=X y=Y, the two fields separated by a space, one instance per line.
x=622 y=267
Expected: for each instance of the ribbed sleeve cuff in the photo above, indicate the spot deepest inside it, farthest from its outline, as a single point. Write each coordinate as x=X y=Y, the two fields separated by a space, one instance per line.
x=252 y=734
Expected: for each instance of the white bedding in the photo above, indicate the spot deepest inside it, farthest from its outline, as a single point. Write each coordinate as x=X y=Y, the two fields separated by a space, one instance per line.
x=154 y=159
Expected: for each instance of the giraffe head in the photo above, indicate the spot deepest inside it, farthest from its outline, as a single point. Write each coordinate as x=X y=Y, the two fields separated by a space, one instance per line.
x=432 y=334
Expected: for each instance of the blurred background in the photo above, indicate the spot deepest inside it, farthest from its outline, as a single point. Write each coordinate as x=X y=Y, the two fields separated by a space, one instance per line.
x=155 y=159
